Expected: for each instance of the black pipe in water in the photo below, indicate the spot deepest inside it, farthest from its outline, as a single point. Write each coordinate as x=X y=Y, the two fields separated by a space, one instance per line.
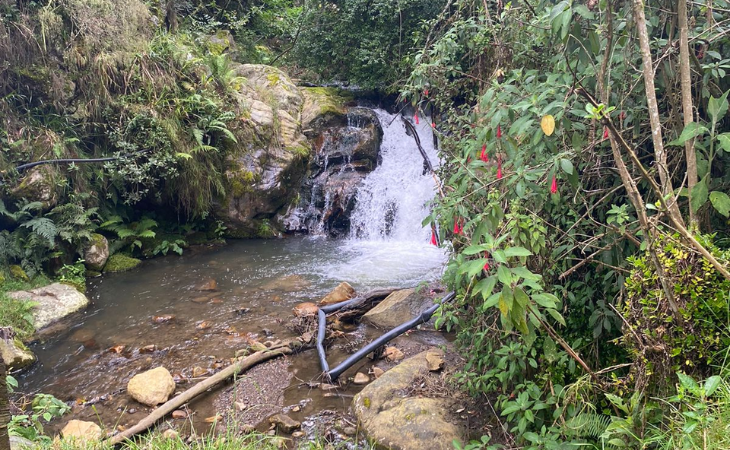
x=333 y=374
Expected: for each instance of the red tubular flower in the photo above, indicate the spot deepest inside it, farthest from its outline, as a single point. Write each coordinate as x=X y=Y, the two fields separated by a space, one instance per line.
x=483 y=156
x=458 y=227
x=425 y=92
x=554 y=186
x=499 y=131
x=415 y=117
x=433 y=124
x=499 y=169
x=434 y=241
x=605 y=132
x=486 y=264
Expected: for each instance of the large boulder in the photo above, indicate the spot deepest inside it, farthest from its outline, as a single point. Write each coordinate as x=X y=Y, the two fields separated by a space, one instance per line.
x=15 y=354
x=21 y=443
x=264 y=174
x=152 y=387
x=53 y=302
x=39 y=184
x=97 y=253
x=400 y=422
x=341 y=293
x=398 y=307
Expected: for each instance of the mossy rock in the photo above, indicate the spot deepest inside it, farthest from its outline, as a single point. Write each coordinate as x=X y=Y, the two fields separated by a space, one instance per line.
x=323 y=107
x=121 y=263
x=18 y=273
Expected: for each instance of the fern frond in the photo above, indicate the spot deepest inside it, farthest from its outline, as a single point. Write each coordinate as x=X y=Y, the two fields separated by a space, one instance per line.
x=44 y=227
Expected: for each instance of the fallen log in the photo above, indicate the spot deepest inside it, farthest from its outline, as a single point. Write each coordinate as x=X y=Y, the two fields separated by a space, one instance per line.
x=362 y=304
x=198 y=389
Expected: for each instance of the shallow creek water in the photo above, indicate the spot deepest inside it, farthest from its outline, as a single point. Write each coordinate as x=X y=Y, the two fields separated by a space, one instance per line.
x=257 y=282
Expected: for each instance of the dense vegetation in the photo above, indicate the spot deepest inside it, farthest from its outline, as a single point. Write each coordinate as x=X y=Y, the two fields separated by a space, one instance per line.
x=585 y=173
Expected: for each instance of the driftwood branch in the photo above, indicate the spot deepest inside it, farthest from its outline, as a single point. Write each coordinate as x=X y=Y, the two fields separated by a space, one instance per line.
x=363 y=304
x=198 y=389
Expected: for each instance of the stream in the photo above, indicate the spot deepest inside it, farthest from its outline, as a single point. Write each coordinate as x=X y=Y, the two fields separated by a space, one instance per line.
x=191 y=313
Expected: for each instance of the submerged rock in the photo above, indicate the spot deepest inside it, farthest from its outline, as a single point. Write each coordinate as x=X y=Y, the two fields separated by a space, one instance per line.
x=53 y=302
x=341 y=293
x=16 y=355
x=97 y=254
x=82 y=431
x=361 y=378
x=405 y=423
x=284 y=423
x=398 y=307
x=152 y=387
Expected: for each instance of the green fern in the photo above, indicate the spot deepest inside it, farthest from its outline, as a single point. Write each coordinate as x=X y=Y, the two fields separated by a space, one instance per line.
x=44 y=227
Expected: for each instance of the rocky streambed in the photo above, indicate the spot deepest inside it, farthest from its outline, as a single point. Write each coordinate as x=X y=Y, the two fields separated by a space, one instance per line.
x=195 y=315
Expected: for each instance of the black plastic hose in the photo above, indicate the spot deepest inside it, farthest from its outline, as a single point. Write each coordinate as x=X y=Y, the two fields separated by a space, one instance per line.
x=333 y=374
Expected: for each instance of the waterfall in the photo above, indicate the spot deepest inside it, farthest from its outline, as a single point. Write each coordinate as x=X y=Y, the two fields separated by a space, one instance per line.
x=393 y=200
x=388 y=245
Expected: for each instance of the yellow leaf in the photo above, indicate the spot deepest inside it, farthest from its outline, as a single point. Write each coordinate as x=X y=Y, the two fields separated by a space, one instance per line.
x=503 y=306
x=548 y=124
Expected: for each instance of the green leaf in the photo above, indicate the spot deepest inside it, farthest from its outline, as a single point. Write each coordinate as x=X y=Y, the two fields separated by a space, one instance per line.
x=721 y=202
x=717 y=107
x=505 y=276
x=724 y=141
x=691 y=131
x=486 y=286
x=567 y=166
x=506 y=299
x=711 y=385
x=545 y=300
x=556 y=315
x=687 y=382
x=699 y=194
x=521 y=297
x=517 y=251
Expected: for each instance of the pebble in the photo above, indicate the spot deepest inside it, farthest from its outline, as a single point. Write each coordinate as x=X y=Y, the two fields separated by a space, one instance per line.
x=393 y=354
x=297 y=434
x=350 y=431
x=165 y=318
x=204 y=325
x=199 y=372
x=179 y=414
x=377 y=372
x=361 y=378
x=148 y=348
x=170 y=434
x=327 y=387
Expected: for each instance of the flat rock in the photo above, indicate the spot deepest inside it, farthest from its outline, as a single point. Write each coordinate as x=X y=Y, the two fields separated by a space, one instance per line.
x=53 y=302
x=152 y=387
x=393 y=354
x=398 y=307
x=405 y=423
x=81 y=430
x=284 y=423
x=20 y=443
x=15 y=354
x=435 y=359
x=207 y=285
x=341 y=293
x=305 y=309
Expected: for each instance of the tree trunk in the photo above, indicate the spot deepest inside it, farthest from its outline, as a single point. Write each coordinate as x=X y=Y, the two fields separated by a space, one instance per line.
x=4 y=409
x=660 y=155
x=687 y=110
x=171 y=16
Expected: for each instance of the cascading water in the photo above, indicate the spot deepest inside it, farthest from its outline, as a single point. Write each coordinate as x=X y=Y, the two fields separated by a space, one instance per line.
x=387 y=242
x=395 y=198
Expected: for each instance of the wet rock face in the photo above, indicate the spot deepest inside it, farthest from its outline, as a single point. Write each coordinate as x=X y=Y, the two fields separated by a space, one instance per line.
x=345 y=152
